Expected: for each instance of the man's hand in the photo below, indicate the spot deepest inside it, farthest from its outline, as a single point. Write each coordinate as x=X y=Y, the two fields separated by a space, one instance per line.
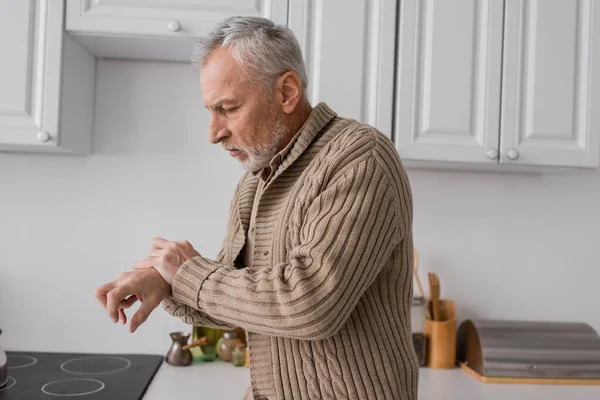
x=146 y=286
x=166 y=257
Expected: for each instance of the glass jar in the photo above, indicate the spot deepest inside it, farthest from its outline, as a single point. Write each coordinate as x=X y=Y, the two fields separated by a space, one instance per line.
x=226 y=345
x=238 y=356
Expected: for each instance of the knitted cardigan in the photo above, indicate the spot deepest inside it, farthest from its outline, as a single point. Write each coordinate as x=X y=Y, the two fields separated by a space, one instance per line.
x=326 y=304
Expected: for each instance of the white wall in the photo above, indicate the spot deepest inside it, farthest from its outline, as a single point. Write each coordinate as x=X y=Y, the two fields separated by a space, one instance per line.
x=512 y=246
x=504 y=246
x=70 y=223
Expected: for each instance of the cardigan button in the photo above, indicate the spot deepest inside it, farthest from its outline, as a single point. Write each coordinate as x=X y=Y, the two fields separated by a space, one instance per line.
x=260 y=398
x=266 y=253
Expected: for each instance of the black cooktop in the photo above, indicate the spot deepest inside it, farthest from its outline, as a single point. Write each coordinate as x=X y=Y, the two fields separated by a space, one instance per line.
x=34 y=376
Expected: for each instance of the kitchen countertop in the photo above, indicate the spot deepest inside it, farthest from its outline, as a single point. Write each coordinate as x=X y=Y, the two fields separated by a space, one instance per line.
x=220 y=380
x=214 y=380
x=456 y=384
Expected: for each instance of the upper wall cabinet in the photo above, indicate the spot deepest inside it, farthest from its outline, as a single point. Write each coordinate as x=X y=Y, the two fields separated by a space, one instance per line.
x=156 y=29
x=46 y=81
x=348 y=47
x=551 y=83
x=448 y=77
x=511 y=82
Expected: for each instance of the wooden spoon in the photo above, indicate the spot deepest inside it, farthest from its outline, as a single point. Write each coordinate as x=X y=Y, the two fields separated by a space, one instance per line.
x=434 y=291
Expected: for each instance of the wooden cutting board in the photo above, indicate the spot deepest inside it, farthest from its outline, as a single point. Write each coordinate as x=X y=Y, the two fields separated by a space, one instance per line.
x=532 y=381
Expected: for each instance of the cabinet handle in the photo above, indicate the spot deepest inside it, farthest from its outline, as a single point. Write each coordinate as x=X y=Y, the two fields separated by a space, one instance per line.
x=492 y=154
x=43 y=136
x=512 y=154
x=174 y=26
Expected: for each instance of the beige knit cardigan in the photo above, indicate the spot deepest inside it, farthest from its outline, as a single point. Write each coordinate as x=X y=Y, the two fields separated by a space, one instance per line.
x=326 y=305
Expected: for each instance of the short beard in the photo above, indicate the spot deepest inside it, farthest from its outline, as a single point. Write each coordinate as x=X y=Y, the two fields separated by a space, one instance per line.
x=259 y=158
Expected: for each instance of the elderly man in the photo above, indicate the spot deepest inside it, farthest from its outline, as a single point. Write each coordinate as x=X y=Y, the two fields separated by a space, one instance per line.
x=316 y=265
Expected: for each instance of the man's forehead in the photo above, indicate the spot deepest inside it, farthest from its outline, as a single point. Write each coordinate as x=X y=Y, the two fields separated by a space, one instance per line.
x=220 y=78
x=220 y=68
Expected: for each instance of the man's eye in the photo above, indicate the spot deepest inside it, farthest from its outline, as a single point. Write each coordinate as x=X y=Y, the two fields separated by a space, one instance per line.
x=228 y=110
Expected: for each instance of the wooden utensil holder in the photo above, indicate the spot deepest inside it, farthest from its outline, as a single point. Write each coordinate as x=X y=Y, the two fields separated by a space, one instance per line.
x=441 y=337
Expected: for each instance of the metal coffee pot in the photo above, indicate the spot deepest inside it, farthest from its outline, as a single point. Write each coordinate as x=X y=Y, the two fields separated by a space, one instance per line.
x=179 y=354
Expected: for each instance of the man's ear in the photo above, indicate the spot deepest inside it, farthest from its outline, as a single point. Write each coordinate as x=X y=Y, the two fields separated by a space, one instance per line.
x=291 y=90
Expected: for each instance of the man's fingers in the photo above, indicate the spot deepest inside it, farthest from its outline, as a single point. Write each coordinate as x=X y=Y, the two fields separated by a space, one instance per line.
x=114 y=297
x=148 y=305
x=102 y=291
x=128 y=302
x=146 y=263
x=124 y=304
x=156 y=253
x=159 y=243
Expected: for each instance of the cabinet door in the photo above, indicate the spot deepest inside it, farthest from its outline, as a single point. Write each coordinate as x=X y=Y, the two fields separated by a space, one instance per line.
x=30 y=40
x=46 y=81
x=348 y=47
x=164 y=18
x=551 y=88
x=448 y=80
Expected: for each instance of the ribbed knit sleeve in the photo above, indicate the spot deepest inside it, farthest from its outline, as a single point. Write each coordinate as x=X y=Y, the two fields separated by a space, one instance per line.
x=192 y=316
x=348 y=233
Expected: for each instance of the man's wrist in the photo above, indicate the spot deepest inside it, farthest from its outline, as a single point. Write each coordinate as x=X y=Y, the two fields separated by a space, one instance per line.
x=164 y=275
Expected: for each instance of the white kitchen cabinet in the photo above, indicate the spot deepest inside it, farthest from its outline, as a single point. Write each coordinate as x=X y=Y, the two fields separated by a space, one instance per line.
x=348 y=47
x=500 y=82
x=156 y=29
x=46 y=81
x=448 y=80
x=551 y=83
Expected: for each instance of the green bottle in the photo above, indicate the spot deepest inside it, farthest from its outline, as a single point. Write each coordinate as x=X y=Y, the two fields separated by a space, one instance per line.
x=207 y=352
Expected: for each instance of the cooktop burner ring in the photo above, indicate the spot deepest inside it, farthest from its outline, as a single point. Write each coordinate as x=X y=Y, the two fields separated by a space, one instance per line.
x=29 y=361
x=71 y=370
x=9 y=383
x=78 y=380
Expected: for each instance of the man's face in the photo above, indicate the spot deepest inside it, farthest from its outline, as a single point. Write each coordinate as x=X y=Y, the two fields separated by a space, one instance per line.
x=246 y=124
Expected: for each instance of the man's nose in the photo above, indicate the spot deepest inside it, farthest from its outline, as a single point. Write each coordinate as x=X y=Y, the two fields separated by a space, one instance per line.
x=216 y=130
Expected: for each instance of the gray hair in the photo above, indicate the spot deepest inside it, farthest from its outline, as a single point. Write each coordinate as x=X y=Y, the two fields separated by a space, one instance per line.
x=264 y=50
